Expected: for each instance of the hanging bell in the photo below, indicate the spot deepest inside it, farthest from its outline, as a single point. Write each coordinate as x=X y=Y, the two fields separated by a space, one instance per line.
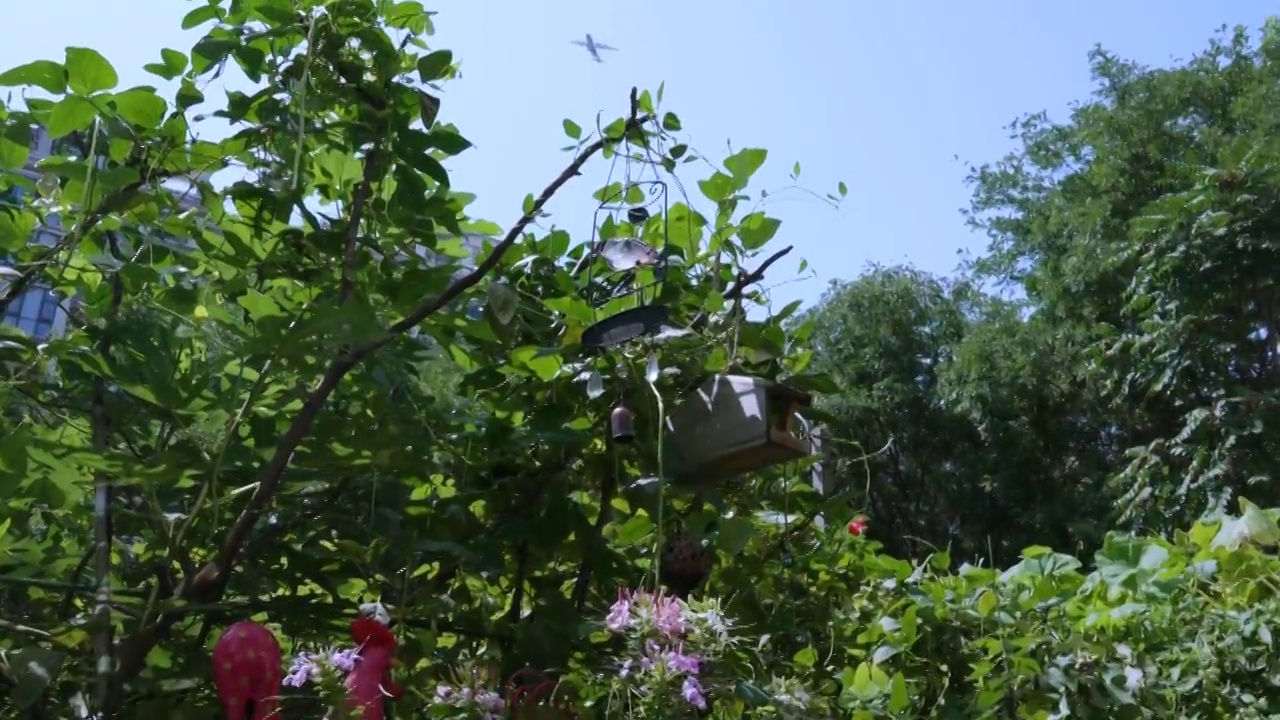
x=637 y=215
x=621 y=425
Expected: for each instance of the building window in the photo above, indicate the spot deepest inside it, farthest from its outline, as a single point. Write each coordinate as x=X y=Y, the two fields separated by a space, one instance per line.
x=33 y=313
x=11 y=196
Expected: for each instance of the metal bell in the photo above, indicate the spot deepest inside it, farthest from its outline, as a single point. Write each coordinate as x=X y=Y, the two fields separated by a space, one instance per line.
x=621 y=425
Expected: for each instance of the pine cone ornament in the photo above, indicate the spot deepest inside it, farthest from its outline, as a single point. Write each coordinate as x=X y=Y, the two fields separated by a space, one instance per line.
x=685 y=563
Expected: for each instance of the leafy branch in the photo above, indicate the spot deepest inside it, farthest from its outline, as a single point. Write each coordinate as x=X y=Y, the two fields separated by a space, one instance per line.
x=210 y=581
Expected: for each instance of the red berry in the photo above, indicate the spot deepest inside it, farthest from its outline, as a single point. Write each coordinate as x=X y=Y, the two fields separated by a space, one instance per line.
x=857 y=526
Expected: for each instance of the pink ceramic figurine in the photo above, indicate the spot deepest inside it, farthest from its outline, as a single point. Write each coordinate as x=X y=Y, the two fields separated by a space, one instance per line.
x=246 y=672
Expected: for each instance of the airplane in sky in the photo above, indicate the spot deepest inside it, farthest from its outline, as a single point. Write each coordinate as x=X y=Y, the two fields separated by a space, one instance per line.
x=592 y=47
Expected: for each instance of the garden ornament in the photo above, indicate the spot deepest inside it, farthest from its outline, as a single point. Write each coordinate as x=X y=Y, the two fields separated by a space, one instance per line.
x=369 y=683
x=246 y=672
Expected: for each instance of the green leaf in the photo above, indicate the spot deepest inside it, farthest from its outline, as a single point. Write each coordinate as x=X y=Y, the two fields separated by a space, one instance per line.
x=141 y=107
x=670 y=122
x=987 y=603
x=13 y=458
x=71 y=114
x=408 y=15
x=173 y=64
x=16 y=227
x=88 y=71
x=635 y=529
x=15 y=145
x=842 y=189
x=813 y=382
x=717 y=187
x=734 y=534
x=806 y=658
x=744 y=163
x=202 y=15
x=503 y=301
x=750 y=694
x=544 y=362
x=757 y=229
x=434 y=66
x=863 y=683
x=209 y=52
x=160 y=658
x=188 y=95
x=428 y=108
x=447 y=141
x=44 y=74
x=34 y=671
x=572 y=129
x=259 y=306
x=898 y=698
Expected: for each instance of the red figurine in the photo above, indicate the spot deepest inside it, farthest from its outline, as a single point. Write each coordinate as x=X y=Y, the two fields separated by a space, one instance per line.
x=246 y=672
x=371 y=681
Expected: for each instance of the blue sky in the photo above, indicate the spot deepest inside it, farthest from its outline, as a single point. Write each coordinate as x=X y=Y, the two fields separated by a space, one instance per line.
x=884 y=96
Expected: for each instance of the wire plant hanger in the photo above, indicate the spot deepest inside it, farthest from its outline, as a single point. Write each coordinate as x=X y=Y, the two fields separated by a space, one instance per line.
x=634 y=267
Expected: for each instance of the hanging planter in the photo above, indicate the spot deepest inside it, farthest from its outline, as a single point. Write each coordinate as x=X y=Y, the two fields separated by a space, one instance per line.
x=738 y=424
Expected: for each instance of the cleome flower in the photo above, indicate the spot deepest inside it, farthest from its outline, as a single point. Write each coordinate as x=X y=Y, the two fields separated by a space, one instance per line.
x=487 y=704
x=674 y=639
x=310 y=667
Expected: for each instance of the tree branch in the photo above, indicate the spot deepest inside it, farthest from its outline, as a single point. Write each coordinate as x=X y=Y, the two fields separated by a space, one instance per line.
x=755 y=276
x=27 y=630
x=743 y=280
x=361 y=197
x=103 y=636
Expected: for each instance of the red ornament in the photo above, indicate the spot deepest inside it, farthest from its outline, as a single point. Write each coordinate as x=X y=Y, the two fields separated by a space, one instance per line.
x=371 y=681
x=246 y=671
x=857 y=526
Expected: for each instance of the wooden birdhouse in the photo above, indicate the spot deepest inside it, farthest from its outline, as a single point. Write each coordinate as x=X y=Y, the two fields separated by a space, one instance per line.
x=737 y=424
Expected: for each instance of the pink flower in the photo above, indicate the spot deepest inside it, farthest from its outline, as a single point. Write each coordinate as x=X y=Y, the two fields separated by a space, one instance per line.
x=668 y=616
x=857 y=526
x=678 y=662
x=692 y=692
x=619 y=616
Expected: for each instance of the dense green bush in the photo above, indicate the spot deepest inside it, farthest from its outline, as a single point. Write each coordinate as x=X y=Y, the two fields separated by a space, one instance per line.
x=1159 y=628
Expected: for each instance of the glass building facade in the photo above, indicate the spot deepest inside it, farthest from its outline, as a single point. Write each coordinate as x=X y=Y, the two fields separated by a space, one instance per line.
x=38 y=311
x=34 y=313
